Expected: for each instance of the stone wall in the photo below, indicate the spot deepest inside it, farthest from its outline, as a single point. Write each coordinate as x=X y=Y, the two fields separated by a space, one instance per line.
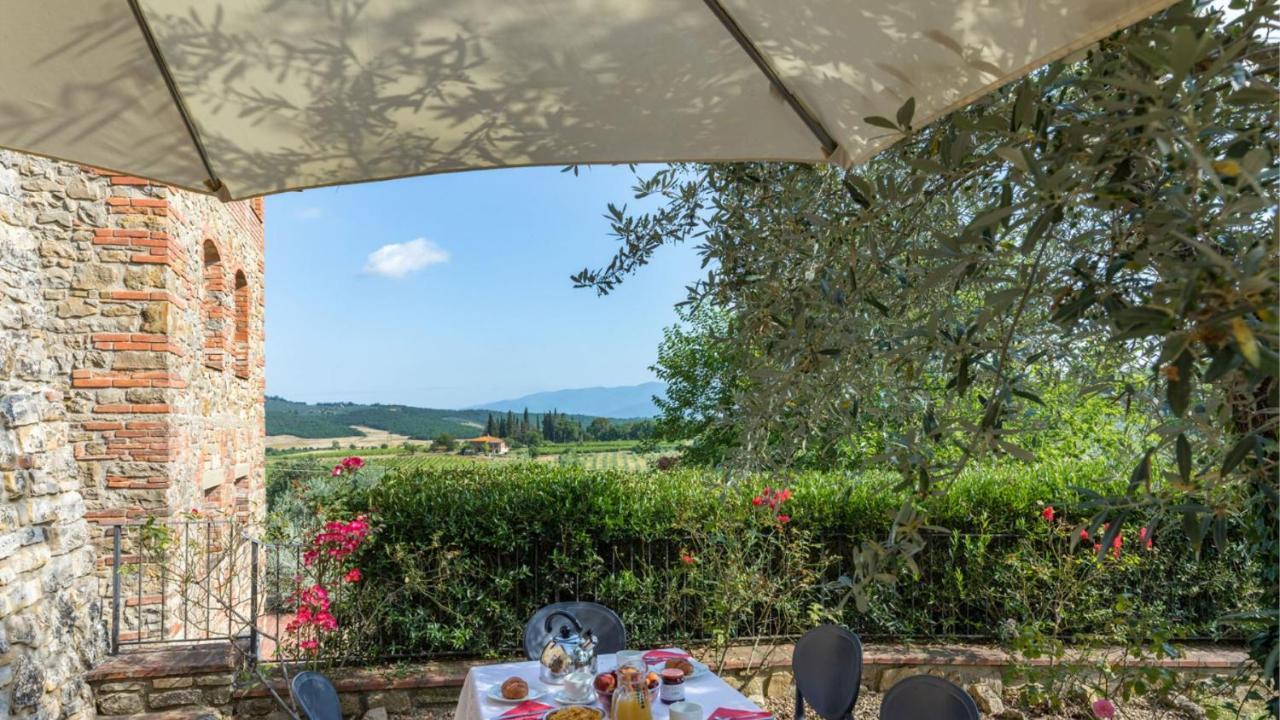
x=131 y=385
x=50 y=627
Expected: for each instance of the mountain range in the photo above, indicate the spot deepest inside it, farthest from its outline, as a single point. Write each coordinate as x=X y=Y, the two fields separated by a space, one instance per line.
x=627 y=401
x=333 y=420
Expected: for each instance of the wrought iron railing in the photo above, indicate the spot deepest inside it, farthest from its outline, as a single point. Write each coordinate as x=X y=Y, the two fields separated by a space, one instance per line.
x=191 y=581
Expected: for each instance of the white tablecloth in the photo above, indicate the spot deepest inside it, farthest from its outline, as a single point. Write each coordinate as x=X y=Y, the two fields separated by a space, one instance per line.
x=709 y=691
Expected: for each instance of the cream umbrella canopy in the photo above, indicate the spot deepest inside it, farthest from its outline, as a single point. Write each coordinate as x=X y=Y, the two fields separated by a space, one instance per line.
x=249 y=97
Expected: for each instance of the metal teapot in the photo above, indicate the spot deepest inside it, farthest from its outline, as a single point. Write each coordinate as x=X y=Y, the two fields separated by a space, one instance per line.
x=566 y=649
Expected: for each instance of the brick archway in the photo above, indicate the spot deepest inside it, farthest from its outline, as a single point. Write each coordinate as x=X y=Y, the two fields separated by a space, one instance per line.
x=240 y=338
x=214 y=307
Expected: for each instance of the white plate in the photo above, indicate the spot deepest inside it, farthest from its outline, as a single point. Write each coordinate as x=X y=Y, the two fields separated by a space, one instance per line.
x=495 y=694
x=560 y=697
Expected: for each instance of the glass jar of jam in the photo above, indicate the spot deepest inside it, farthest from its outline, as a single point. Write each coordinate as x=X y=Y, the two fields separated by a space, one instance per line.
x=672 y=686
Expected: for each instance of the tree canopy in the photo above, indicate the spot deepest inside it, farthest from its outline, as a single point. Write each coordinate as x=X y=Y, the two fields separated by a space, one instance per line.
x=1107 y=223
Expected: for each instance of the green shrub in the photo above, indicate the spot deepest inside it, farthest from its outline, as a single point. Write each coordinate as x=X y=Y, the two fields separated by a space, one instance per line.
x=465 y=553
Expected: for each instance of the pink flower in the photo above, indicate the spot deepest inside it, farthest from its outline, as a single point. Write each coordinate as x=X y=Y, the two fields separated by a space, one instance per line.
x=352 y=576
x=1104 y=709
x=326 y=621
x=337 y=470
x=353 y=463
x=1116 y=544
x=784 y=519
x=1047 y=513
x=309 y=644
x=784 y=495
x=1084 y=534
x=1144 y=538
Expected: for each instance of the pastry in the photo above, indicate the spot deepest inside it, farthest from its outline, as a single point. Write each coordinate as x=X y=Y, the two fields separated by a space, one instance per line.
x=681 y=664
x=514 y=688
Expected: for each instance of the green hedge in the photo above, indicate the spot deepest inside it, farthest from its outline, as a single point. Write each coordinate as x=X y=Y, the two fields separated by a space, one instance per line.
x=463 y=555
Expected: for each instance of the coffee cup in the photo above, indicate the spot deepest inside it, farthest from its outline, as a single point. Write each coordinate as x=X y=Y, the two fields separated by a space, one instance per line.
x=578 y=685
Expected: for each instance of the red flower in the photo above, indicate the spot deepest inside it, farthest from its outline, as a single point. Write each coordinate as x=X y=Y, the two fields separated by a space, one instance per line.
x=353 y=463
x=352 y=576
x=309 y=644
x=1116 y=544
x=784 y=519
x=757 y=501
x=337 y=470
x=1084 y=534
x=1047 y=513
x=1144 y=538
x=686 y=558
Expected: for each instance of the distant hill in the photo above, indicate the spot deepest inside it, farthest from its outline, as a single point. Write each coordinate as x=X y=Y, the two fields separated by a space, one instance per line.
x=333 y=420
x=628 y=401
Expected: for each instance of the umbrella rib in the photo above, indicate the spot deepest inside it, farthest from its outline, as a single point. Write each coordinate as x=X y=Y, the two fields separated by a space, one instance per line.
x=829 y=144
x=214 y=184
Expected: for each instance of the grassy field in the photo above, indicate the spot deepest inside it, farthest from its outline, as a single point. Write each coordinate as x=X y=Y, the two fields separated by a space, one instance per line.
x=610 y=455
x=616 y=460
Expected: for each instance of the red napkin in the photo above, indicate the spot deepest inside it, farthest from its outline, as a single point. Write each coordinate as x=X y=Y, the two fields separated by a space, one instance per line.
x=528 y=708
x=735 y=714
x=654 y=656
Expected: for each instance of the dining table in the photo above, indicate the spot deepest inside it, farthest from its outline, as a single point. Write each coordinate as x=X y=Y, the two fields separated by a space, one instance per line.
x=708 y=690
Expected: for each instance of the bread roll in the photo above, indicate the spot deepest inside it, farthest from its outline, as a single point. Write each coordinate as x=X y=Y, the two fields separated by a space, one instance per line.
x=514 y=688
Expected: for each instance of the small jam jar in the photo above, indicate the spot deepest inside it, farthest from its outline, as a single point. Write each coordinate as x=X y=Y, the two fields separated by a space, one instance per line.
x=672 y=686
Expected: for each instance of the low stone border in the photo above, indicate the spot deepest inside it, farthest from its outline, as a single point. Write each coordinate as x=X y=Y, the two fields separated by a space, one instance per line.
x=196 y=682
x=184 y=683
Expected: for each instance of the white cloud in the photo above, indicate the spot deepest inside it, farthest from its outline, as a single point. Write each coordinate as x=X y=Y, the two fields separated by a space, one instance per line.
x=308 y=213
x=399 y=259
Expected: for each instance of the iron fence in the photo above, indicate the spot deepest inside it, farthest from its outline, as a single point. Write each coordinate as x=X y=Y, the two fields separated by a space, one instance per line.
x=212 y=580
x=192 y=581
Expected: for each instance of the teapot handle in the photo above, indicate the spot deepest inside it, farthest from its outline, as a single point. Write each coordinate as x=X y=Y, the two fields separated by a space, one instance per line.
x=577 y=626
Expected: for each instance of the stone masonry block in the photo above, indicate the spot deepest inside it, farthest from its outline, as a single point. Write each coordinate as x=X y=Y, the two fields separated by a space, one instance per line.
x=175 y=698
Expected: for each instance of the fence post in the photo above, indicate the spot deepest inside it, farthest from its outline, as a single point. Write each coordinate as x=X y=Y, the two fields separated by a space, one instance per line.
x=115 y=591
x=253 y=601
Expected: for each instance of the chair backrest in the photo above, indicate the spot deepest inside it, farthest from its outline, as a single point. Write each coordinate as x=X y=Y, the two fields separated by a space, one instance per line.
x=603 y=623
x=827 y=663
x=316 y=696
x=924 y=697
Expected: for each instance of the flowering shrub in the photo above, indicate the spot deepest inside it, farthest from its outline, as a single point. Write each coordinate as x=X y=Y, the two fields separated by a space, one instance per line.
x=464 y=554
x=329 y=563
x=1083 y=561
x=773 y=500
x=348 y=466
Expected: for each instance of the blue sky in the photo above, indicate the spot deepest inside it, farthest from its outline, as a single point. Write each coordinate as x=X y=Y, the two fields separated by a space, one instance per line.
x=453 y=290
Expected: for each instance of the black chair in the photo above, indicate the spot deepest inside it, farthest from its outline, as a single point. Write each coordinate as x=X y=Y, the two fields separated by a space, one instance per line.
x=603 y=623
x=827 y=663
x=924 y=697
x=316 y=696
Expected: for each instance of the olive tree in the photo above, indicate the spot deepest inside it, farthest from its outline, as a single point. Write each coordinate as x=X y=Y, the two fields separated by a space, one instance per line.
x=1109 y=219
